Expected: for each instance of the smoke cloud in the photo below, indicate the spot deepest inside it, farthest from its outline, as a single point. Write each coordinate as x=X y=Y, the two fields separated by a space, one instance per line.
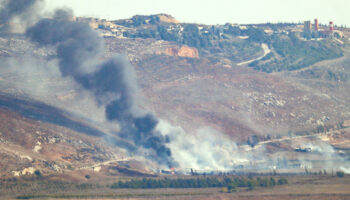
x=206 y=149
x=113 y=82
x=25 y=10
x=113 y=86
x=11 y=9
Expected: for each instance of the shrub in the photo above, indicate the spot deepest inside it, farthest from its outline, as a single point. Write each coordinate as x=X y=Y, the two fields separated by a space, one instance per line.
x=232 y=187
x=38 y=173
x=282 y=181
x=224 y=190
x=251 y=186
x=340 y=174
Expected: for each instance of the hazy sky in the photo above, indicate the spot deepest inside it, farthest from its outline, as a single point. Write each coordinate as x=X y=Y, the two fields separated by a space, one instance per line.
x=215 y=11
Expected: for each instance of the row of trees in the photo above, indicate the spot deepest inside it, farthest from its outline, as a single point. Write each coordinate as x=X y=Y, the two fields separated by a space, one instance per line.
x=230 y=183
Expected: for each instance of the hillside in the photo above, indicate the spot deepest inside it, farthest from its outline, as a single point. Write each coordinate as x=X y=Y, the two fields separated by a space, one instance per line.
x=275 y=103
x=37 y=138
x=266 y=92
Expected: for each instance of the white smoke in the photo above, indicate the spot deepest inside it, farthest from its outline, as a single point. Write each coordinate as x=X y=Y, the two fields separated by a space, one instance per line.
x=40 y=79
x=206 y=149
x=329 y=158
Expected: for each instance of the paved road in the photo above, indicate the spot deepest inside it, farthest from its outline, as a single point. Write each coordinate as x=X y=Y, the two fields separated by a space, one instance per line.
x=266 y=49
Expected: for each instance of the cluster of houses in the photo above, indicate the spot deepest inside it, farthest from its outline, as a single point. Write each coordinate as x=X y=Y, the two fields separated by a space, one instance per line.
x=306 y=30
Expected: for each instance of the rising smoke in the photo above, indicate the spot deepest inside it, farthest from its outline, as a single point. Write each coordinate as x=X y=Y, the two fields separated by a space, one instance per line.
x=206 y=149
x=11 y=9
x=113 y=82
x=25 y=10
x=79 y=51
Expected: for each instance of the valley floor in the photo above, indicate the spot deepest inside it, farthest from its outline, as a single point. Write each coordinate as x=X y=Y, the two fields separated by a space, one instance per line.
x=323 y=187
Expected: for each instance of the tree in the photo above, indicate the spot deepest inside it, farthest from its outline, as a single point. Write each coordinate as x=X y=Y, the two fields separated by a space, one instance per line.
x=251 y=186
x=233 y=30
x=340 y=174
x=324 y=172
x=253 y=140
x=232 y=188
x=256 y=35
x=165 y=35
x=282 y=181
x=38 y=173
x=191 y=35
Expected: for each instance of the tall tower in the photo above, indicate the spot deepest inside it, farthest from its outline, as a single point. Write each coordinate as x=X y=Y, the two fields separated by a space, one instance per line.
x=316 y=25
x=331 y=26
x=307 y=27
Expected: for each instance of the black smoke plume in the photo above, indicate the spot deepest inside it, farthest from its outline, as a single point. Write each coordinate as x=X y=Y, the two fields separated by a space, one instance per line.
x=113 y=82
x=16 y=8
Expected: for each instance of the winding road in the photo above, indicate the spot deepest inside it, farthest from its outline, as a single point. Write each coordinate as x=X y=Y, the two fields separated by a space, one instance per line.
x=266 y=49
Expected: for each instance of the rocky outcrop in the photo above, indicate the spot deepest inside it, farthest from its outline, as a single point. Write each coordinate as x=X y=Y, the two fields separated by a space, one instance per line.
x=184 y=51
x=167 y=18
